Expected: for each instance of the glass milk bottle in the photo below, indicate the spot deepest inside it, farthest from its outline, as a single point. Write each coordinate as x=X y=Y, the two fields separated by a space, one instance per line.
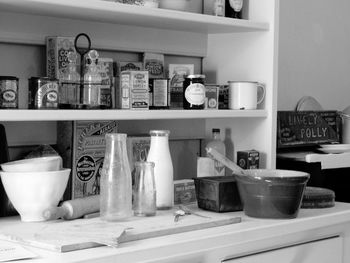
x=159 y=154
x=116 y=185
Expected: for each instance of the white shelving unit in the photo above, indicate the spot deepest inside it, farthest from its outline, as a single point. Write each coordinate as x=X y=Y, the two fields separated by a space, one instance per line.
x=231 y=49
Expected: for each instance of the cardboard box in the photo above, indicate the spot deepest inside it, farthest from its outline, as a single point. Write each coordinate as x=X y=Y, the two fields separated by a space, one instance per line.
x=177 y=73
x=134 y=90
x=184 y=192
x=57 y=49
x=223 y=97
x=82 y=147
x=211 y=97
x=105 y=68
x=248 y=159
x=137 y=148
x=154 y=64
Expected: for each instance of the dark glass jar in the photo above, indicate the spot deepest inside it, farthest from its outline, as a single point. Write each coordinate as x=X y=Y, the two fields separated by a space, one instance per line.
x=233 y=8
x=194 y=92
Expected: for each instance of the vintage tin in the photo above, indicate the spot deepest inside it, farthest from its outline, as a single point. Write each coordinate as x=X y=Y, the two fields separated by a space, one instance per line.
x=43 y=93
x=8 y=92
x=218 y=193
x=194 y=92
x=212 y=96
x=159 y=94
x=248 y=159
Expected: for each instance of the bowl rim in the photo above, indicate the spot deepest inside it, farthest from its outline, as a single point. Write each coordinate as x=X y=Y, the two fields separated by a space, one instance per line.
x=34 y=159
x=62 y=170
x=279 y=176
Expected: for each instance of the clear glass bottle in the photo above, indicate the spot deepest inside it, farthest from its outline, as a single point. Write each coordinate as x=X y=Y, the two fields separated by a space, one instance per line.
x=217 y=144
x=116 y=185
x=159 y=154
x=92 y=82
x=70 y=84
x=144 y=202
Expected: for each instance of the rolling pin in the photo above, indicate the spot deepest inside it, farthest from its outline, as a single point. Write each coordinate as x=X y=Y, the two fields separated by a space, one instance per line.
x=72 y=209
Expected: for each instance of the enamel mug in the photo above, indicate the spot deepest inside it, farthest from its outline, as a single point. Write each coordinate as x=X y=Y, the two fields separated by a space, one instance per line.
x=245 y=95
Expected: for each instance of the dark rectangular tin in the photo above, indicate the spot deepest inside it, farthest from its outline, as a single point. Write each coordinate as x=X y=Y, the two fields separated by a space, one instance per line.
x=218 y=193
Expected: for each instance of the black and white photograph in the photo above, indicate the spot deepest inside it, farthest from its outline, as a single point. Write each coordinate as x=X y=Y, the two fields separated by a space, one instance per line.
x=174 y=131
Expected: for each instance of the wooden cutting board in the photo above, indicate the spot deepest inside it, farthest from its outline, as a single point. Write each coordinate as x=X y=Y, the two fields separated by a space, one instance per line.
x=64 y=236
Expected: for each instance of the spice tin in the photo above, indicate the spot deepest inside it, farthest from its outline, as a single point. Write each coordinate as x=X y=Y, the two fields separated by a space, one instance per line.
x=159 y=92
x=212 y=96
x=43 y=93
x=248 y=159
x=8 y=92
x=194 y=92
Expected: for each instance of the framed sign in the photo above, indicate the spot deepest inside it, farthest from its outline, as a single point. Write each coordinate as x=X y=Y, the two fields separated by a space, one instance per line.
x=304 y=128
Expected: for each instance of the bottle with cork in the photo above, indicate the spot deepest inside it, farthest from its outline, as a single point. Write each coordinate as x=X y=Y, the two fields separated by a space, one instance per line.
x=217 y=144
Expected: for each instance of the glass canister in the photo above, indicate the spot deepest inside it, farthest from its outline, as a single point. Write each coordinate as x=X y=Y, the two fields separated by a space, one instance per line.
x=116 y=183
x=144 y=203
x=159 y=154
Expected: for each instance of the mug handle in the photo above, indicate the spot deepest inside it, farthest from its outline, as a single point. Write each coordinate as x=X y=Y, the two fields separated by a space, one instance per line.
x=262 y=87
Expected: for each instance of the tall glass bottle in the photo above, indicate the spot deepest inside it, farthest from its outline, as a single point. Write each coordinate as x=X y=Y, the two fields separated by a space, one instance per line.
x=70 y=83
x=92 y=82
x=159 y=154
x=116 y=185
x=217 y=144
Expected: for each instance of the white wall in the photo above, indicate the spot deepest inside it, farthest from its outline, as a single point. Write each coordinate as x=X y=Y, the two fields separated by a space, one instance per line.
x=314 y=53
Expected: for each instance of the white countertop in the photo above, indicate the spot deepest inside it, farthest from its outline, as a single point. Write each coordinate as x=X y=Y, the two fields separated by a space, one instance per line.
x=250 y=236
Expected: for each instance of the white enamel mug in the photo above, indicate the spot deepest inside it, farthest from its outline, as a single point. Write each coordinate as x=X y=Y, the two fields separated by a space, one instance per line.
x=245 y=95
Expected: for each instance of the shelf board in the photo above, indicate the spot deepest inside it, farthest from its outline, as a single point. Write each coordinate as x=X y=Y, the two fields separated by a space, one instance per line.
x=61 y=115
x=116 y=13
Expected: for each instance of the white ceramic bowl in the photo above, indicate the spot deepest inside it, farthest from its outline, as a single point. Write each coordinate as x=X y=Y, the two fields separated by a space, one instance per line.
x=48 y=163
x=33 y=192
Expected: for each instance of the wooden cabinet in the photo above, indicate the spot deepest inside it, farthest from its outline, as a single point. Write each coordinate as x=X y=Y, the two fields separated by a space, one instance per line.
x=228 y=49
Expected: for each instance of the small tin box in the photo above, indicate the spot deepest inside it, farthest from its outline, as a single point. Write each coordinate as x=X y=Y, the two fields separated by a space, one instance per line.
x=248 y=159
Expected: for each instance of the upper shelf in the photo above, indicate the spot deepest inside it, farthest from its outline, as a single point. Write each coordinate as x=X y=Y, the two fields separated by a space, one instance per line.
x=58 y=115
x=116 y=13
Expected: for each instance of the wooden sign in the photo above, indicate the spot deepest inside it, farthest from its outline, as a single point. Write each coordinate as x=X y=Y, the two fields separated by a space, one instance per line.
x=304 y=128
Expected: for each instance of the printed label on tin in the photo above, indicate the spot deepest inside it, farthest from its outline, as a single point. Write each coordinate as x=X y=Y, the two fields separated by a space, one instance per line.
x=47 y=96
x=195 y=94
x=8 y=94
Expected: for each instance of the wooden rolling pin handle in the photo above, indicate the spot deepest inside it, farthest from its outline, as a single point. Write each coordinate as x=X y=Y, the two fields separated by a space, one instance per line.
x=72 y=209
x=54 y=213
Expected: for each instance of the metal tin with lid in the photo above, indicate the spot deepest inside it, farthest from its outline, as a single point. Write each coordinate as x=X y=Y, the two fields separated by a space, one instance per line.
x=194 y=92
x=8 y=92
x=43 y=93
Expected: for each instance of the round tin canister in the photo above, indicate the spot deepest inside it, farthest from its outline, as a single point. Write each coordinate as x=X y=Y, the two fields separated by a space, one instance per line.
x=194 y=92
x=8 y=92
x=43 y=93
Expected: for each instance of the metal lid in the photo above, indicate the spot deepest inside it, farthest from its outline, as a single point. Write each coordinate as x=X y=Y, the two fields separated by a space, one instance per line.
x=159 y=133
x=8 y=78
x=195 y=76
